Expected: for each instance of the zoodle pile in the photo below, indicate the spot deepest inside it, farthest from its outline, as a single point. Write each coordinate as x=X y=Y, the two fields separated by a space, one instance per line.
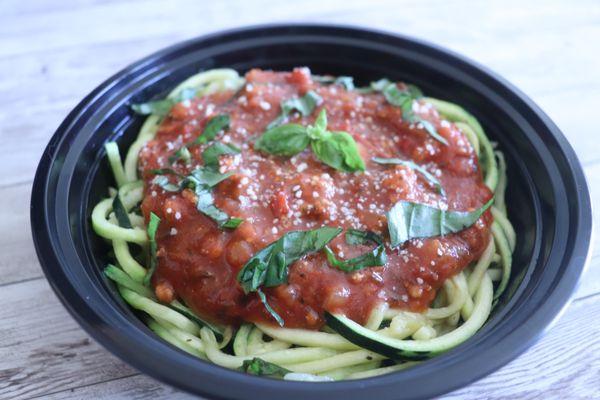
x=265 y=225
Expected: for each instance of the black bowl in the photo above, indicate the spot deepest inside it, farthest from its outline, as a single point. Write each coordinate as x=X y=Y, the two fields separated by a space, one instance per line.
x=547 y=198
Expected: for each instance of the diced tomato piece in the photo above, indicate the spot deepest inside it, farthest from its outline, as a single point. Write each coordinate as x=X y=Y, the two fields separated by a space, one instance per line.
x=279 y=204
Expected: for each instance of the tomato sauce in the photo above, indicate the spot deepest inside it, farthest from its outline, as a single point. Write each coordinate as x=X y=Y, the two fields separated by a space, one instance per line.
x=198 y=262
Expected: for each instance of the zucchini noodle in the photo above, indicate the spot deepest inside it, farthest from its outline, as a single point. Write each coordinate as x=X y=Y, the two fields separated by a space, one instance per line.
x=461 y=307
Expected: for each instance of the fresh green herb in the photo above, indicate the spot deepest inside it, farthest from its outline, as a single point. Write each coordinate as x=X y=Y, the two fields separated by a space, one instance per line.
x=183 y=154
x=165 y=184
x=207 y=207
x=162 y=107
x=152 y=228
x=260 y=367
x=121 y=213
x=201 y=181
x=376 y=257
x=212 y=153
x=336 y=149
x=404 y=99
x=408 y=220
x=346 y=81
x=397 y=161
x=233 y=223
x=283 y=140
x=269 y=267
x=413 y=118
x=393 y=94
x=212 y=128
x=305 y=105
x=356 y=237
x=165 y=171
x=204 y=177
x=270 y=309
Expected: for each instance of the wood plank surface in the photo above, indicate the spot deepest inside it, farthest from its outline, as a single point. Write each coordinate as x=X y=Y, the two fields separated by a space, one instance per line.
x=53 y=53
x=69 y=365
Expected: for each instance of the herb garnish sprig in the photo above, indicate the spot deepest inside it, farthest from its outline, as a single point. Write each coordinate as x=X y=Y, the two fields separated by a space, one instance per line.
x=404 y=98
x=202 y=180
x=336 y=149
x=408 y=220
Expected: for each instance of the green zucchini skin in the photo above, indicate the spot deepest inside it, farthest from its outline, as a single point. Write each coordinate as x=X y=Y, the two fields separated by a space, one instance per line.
x=372 y=343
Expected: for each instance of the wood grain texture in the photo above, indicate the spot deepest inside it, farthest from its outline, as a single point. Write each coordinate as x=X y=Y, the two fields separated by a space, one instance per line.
x=18 y=261
x=69 y=365
x=43 y=349
x=53 y=53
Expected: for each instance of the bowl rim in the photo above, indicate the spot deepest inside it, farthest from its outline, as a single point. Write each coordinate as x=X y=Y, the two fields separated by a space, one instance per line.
x=94 y=321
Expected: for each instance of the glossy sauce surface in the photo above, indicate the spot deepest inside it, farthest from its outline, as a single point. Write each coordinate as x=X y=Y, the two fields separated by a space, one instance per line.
x=198 y=262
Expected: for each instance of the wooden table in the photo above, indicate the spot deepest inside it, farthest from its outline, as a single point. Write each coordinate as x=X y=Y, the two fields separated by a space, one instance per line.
x=54 y=53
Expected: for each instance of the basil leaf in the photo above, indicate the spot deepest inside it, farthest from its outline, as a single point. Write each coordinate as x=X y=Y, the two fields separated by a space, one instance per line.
x=408 y=220
x=346 y=81
x=233 y=223
x=357 y=237
x=380 y=85
x=183 y=153
x=283 y=140
x=397 y=161
x=260 y=367
x=202 y=180
x=397 y=97
x=270 y=309
x=428 y=126
x=394 y=95
x=339 y=151
x=409 y=116
x=269 y=266
x=376 y=257
x=336 y=149
x=162 y=107
x=305 y=105
x=205 y=176
x=319 y=129
x=404 y=99
x=165 y=184
x=152 y=228
x=121 y=213
x=212 y=153
x=206 y=206
x=212 y=128
x=165 y=171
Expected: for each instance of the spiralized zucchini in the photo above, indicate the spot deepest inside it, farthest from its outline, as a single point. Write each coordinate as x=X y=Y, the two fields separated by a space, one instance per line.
x=462 y=306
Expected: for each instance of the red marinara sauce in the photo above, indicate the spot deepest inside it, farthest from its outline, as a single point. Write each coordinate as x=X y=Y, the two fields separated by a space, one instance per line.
x=198 y=262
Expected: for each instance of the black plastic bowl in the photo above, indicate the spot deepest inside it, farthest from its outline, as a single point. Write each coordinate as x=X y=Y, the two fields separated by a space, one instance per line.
x=548 y=201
